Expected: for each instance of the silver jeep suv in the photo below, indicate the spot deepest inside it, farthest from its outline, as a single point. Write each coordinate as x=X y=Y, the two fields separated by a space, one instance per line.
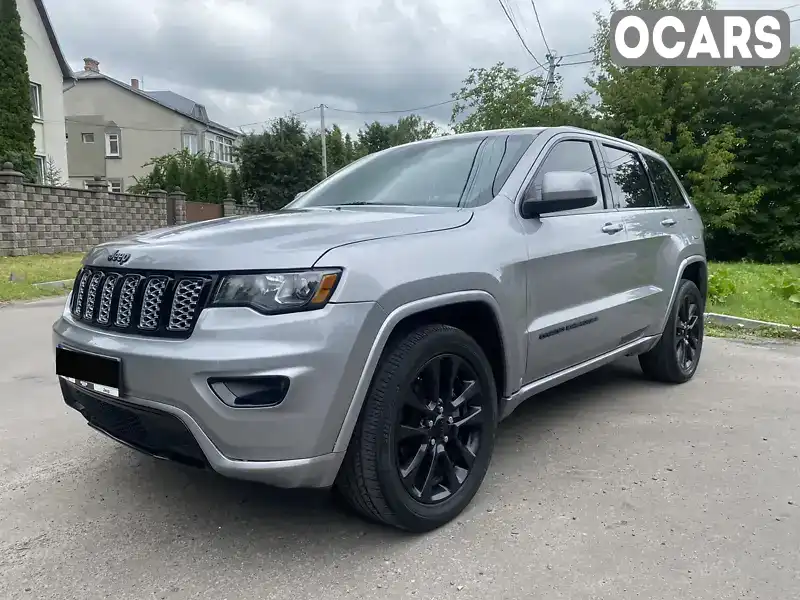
x=370 y=336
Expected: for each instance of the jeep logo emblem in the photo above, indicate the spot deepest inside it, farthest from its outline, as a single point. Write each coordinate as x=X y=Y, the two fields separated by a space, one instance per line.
x=119 y=258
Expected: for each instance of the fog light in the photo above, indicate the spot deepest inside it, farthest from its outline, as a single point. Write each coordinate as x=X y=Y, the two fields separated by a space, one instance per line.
x=250 y=392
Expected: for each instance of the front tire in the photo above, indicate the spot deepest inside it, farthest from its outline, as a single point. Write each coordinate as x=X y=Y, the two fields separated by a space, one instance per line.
x=423 y=442
x=676 y=356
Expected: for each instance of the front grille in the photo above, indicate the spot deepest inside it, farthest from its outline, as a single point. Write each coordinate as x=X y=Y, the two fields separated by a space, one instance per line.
x=160 y=304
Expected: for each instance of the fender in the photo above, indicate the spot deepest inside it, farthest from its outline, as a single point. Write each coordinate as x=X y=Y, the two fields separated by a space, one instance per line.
x=684 y=263
x=388 y=326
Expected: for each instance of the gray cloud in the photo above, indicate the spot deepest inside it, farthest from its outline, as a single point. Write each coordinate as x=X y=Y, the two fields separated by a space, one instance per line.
x=252 y=60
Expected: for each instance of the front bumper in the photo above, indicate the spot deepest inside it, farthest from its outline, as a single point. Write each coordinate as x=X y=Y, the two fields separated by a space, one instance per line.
x=167 y=408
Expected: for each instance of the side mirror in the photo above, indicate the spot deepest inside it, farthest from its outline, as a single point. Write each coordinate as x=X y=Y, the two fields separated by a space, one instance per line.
x=561 y=190
x=298 y=195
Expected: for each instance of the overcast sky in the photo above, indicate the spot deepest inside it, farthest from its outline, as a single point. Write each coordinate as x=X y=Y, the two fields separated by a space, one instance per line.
x=252 y=60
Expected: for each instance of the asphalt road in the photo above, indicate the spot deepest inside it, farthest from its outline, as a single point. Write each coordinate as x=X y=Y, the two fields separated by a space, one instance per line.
x=607 y=487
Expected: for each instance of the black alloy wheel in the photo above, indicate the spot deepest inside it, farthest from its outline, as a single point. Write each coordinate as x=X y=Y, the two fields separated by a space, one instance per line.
x=687 y=333
x=424 y=439
x=674 y=359
x=439 y=429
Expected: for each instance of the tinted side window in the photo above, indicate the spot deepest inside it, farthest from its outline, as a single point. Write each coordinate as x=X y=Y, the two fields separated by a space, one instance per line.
x=571 y=155
x=667 y=190
x=628 y=179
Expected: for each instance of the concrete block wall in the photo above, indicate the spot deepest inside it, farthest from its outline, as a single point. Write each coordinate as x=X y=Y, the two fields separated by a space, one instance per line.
x=36 y=219
x=231 y=209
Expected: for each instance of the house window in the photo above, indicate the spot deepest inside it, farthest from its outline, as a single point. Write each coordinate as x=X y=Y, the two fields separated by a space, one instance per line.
x=115 y=186
x=112 y=144
x=36 y=100
x=87 y=138
x=226 y=148
x=40 y=169
x=212 y=149
x=190 y=142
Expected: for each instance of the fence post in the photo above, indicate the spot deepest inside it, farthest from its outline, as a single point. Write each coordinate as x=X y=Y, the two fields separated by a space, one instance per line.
x=13 y=239
x=9 y=176
x=229 y=207
x=177 y=200
x=98 y=185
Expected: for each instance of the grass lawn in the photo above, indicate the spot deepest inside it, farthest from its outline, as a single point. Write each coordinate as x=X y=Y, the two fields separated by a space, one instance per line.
x=35 y=269
x=749 y=290
x=755 y=291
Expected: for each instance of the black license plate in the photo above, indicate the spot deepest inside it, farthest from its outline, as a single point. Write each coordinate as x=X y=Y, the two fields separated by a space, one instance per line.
x=98 y=373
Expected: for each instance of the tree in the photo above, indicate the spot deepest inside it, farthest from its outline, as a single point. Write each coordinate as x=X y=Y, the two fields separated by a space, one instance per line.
x=172 y=175
x=235 y=185
x=669 y=109
x=218 y=186
x=52 y=174
x=374 y=137
x=500 y=97
x=278 y=163
x=763 y=105
x=17 y=143
x=336 y=150
x=377 y=136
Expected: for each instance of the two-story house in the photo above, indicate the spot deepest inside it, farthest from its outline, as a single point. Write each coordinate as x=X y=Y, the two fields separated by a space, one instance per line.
x=50 y=75
x=115 y=128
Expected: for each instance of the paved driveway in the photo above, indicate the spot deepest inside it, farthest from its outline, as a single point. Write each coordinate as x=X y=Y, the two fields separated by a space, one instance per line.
x=607 y=487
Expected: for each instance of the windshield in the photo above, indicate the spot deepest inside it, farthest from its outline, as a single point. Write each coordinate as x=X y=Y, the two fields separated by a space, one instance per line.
x=454 y=172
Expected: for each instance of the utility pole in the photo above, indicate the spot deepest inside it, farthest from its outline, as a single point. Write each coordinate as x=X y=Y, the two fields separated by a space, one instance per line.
x=324 y=141
x=550 y=82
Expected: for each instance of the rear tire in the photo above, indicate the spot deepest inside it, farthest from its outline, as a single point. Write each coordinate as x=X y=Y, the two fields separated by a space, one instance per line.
x=420 y=451
x=676 y=356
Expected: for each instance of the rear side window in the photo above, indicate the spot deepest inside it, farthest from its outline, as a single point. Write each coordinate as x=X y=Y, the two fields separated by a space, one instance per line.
x=570 y=155
x=667 y=189
x=628 y=179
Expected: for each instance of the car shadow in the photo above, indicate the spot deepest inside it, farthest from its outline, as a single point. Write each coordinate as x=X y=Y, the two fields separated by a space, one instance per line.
x=206 y=506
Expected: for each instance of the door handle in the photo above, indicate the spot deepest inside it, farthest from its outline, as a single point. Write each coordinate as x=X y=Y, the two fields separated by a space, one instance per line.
x=612 y=228
x=668 y=222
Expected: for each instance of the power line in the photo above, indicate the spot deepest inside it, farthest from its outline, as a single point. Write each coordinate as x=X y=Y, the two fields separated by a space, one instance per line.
x=541 y=29
x=292 y=113
x=580 y=62
x=390 y=112
x=519 y=35
x=577 y=54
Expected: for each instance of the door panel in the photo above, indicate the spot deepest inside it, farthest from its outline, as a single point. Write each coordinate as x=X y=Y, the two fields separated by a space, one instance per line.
x=650 y=228
x=578 y=272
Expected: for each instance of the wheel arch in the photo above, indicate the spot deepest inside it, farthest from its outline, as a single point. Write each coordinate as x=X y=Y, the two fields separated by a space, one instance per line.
x=692 y=267
x=475 y=311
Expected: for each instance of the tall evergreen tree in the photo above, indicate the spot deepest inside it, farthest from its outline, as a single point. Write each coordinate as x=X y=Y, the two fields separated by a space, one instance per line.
x=17 y=143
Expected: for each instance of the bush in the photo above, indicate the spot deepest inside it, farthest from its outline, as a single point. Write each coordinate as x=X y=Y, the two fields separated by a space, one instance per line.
x=783 y=285
x=720 y=285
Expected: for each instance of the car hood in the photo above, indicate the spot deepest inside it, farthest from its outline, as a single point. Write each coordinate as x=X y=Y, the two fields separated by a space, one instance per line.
x=283 y=239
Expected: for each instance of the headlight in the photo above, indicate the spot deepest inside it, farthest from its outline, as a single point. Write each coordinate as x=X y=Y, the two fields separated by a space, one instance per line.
x=278 y=292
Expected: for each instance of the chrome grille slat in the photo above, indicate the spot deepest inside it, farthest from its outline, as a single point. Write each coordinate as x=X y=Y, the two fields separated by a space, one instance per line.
x=81 y=291
x=106 y=298
x=184 y=304
x=126 y=297
x=151 y=302
x=91 y=294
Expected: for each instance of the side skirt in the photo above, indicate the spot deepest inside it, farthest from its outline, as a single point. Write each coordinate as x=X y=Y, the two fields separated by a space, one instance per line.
x=630 y=349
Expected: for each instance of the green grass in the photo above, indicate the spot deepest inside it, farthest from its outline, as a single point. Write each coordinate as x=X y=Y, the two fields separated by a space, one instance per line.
x=756 y=291
x=38 y=268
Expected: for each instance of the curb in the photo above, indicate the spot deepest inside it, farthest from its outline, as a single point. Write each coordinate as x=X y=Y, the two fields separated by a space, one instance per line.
x=54 y=284
x=746 y=323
